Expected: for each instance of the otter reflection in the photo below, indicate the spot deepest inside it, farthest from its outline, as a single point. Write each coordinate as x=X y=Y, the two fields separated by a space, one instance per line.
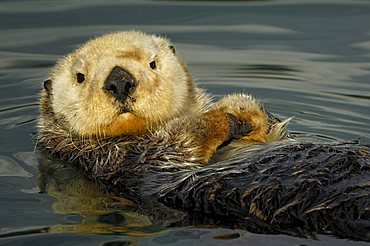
x=100 y=213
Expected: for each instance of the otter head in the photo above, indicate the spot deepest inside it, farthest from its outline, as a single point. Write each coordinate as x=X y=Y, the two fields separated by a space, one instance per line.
x=124 y=83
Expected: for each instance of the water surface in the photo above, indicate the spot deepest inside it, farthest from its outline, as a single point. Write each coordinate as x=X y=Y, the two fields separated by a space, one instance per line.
x=307 y=59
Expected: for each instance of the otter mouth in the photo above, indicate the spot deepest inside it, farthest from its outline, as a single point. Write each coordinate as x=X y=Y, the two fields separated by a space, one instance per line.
x=125 y=107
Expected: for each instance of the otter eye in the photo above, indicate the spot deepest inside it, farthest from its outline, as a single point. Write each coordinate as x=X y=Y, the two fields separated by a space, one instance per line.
x=172 y=49
x=153 y=65
x=80 y=77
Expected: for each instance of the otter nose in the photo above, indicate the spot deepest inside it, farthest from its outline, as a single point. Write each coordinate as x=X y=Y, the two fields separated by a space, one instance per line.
x=119 y=83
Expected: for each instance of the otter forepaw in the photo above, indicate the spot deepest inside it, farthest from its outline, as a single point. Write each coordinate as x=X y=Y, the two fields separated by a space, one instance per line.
x=248 y=119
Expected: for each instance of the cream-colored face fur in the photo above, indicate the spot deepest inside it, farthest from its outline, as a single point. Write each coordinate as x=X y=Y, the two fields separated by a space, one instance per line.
x=86 y=108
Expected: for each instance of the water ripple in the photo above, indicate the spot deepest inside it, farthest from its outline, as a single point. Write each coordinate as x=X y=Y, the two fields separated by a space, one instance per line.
x=9 y=167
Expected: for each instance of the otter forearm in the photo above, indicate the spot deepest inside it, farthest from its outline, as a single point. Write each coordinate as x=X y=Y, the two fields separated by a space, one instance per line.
x=188 y=141
x=197 y=137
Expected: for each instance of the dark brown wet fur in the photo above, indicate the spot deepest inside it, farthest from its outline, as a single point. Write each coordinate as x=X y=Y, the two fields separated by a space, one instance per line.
x=293 y=188
x=298 y=189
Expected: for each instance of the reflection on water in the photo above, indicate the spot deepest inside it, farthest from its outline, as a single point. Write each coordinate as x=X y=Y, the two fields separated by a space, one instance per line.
x=310 y=60
x=75 y=194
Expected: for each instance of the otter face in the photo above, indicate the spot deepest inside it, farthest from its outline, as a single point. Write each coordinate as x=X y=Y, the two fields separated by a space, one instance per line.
x=120 y=84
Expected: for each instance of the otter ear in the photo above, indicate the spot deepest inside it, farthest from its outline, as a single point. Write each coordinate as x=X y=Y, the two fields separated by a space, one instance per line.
x=173 y=49
x=47 y=85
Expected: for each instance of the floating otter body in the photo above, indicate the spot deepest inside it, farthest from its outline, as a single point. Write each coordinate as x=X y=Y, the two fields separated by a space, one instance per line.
x=125 y=109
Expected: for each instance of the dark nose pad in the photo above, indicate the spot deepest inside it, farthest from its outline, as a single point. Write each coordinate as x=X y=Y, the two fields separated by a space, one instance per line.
x=119 y=83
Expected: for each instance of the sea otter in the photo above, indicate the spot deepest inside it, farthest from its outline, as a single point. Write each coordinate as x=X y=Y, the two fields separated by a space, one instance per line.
x=125 y=108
